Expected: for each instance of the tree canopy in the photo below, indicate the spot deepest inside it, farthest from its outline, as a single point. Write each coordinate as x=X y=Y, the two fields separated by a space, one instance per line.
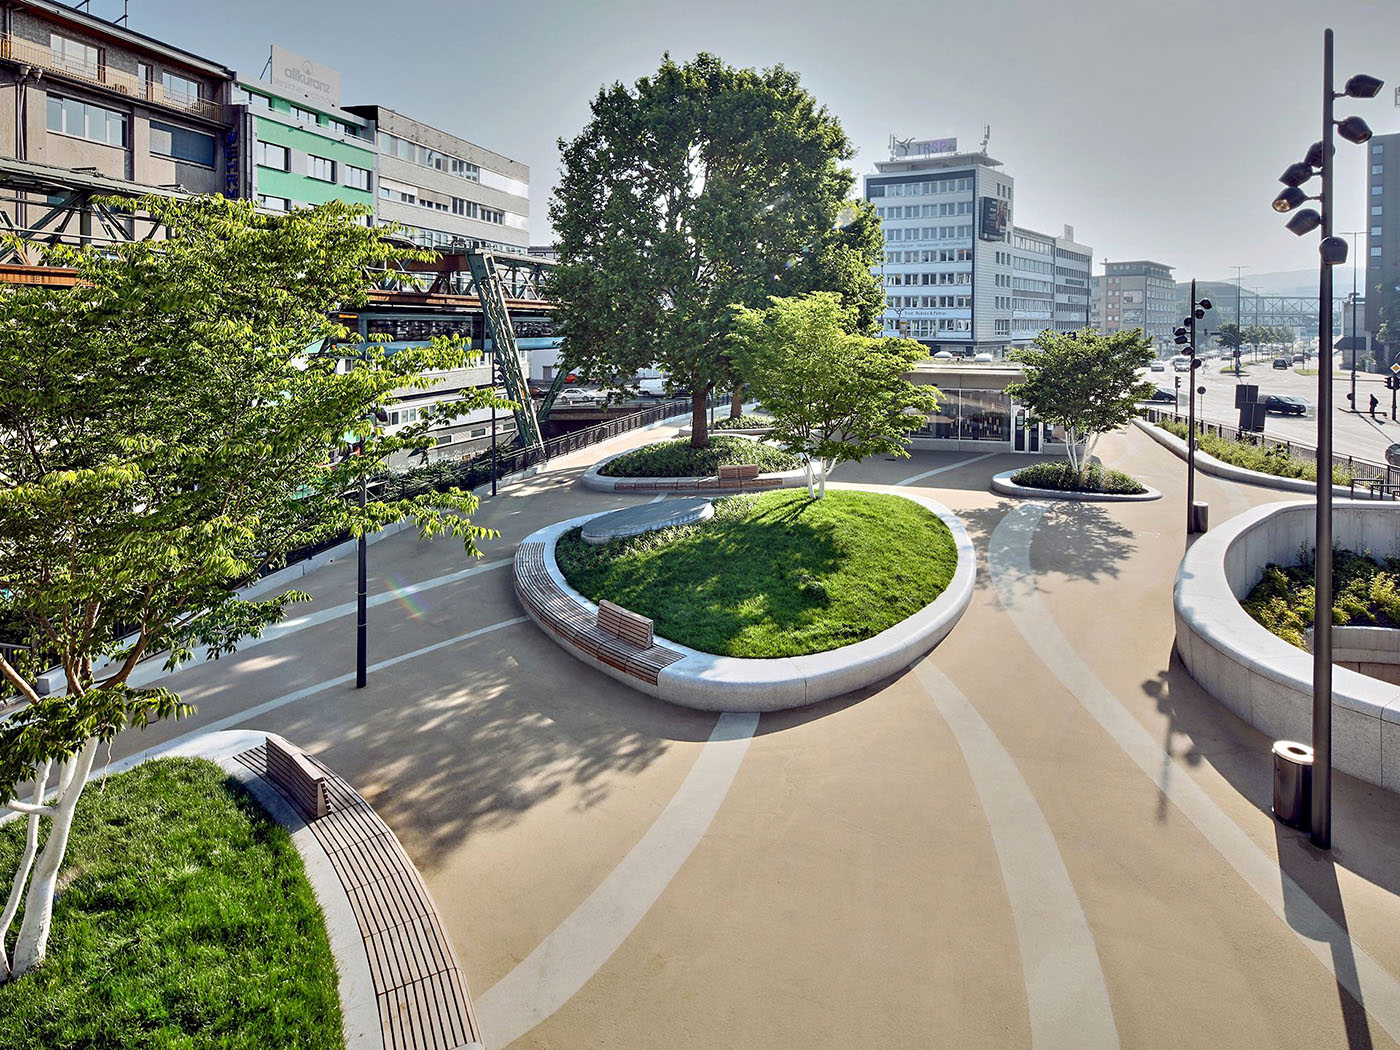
x=169 y=429
x=834 y=397
x=1085 y=381
x=700 y=187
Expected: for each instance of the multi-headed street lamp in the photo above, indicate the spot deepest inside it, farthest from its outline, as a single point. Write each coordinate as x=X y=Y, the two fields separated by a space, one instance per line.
x=1186 y=340
x=1332 y=250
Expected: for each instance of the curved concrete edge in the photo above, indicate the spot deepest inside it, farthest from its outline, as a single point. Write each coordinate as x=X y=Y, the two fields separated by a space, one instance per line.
x=591 y=479
x=1210 y=465
x=1260 y=677
x=706 y=682
x=1002 y=485
x=749 y=432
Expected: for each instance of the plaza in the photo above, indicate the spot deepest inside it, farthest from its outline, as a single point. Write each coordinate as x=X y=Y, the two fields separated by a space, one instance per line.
x=1043 y=833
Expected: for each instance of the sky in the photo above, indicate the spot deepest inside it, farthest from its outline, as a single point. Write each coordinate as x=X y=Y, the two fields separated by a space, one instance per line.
x=1156 y=128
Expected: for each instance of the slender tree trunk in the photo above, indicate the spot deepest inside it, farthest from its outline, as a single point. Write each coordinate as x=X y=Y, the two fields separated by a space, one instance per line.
x=699 y=424
x=811 y=487
x=33 y=939
x=736 y=406
x=821 y=473
x=26 y=862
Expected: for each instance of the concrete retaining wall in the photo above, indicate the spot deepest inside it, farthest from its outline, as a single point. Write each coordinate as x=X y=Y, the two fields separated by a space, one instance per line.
x=1262 y=678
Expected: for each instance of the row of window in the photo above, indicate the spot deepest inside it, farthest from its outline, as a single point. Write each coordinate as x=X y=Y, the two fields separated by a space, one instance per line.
x=255 y=100
x=442 y=239
x=1034 y=266
x=925 y=211
x=1030 y=244
x=924 y=327
x=279 y=158
x=68 y=116
x=929 y=302
x=86 y=60
x=930 y=255
x=428 y=158
x=914 y=280
x=402 y=193
x=927 y=233
x=921 y=189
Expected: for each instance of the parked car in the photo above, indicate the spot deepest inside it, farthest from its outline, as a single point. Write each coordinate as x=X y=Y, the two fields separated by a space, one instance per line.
x=943 y=355
x=1298 y=359
x=983 y=359
x=1158 y=366
x=1285 y=405
x=576 y=396
x=1281 y=362
x=1163 y=394
x=654 y=387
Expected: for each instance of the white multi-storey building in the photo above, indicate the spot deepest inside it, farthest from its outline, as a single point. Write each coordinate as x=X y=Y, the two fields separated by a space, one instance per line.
x=957 y=275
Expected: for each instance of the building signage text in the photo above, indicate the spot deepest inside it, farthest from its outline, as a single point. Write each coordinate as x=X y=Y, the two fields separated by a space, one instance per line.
x=302 y=78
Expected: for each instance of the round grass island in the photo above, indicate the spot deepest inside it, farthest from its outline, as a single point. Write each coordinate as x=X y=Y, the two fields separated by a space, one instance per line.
x=775 y=601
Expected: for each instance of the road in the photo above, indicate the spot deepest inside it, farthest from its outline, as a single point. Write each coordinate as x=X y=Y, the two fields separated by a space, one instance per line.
x=1044 y=835
x=1353 y=433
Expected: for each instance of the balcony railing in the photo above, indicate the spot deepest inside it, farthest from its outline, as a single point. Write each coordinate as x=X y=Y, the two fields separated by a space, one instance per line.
x=17 y=50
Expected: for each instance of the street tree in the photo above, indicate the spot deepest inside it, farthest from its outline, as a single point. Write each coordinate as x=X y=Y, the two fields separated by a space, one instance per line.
x=834 y=396
x=700 y=187
x=1229 y=336
x=168 y=432
x=1086 y=382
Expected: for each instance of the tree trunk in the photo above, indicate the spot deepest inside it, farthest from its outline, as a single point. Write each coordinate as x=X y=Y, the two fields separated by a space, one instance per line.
x=811 y=488
x=821 y=473
x=33 y=939
x=26 y=863
x=736 y=406
x=699 y=425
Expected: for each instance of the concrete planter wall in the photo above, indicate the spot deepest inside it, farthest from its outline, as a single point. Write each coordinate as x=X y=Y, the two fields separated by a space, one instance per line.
x=1002 y=485
x=708 y=682
x=592 y=479
x=1262 y=678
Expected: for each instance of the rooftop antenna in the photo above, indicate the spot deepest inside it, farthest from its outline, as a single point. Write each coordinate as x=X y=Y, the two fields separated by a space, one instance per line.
x=986 y=136
x=267 y=68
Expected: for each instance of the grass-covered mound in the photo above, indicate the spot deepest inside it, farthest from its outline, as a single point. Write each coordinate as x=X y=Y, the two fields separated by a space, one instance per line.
x=1365 y=593
x=676 y=459
x=774 y=574
x=1272 y=460
x=184 y=919
x=1062 y=477
x=748 y=421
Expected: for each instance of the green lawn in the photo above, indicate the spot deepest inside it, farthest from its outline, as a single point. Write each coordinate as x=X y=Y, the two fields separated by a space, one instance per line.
x=774 y=574
x=185 y=920
x=676 y=459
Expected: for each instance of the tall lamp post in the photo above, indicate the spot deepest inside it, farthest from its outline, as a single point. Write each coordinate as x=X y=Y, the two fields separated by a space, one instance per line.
x=1186 y=340
x=1353 y=234
x=1332 y=251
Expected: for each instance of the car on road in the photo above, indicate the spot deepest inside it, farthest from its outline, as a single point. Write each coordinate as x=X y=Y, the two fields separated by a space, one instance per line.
x=1158 y=366
x=983 y=359
x=1163 y=394
x=1285 y=405
x=943 y=355
x=575 y=396
x=1181 y=363
x=1281 y=362
x=1298 y=359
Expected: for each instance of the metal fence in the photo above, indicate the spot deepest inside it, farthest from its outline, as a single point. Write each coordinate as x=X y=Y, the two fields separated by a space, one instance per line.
x=1365 y=471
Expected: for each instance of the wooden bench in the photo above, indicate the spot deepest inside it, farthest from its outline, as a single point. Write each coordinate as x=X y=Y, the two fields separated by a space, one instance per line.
x=581 y=629
x=627 y=625
x=300 y=781
x=738 y=472
x=419 y=991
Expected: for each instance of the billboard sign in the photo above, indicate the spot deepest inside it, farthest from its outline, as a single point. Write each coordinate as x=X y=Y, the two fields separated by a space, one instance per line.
x=902 y=148
x=302 y=78
x=996 y=219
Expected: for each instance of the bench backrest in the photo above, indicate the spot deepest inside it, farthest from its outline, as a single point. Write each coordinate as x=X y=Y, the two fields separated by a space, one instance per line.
x=627 y=625
x=302 y=781
x=739 y=471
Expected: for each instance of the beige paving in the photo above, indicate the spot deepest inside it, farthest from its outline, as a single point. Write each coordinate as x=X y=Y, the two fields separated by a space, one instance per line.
x=847 y=891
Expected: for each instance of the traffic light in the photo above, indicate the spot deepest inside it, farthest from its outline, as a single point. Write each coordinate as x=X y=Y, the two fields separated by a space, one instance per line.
x=1178 y=383
x=1392 y=382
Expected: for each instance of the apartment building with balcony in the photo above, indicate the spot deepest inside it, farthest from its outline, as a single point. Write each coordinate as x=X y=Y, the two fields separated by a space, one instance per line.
x=90 y=106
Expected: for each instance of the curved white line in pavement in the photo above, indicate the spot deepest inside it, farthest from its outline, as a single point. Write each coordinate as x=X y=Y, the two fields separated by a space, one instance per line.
x=950 y=466
x=578 y=947
x=1065 y=988
x=1008 y=564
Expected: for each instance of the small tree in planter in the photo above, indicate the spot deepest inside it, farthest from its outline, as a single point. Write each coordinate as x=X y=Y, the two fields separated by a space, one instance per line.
x=1084 y=381
x=167 y=429
x=834 y=397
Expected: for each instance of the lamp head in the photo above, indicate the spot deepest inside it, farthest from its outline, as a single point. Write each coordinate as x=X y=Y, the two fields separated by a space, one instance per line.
x=1363 y=86
x=1354 y=129
x=1204 y=305
x=1314 y=157
x=1296 y=174
x=1198 y=313
x=1289 y=198
x=1304 y=221
x=1334 y=250
x=1180 y=333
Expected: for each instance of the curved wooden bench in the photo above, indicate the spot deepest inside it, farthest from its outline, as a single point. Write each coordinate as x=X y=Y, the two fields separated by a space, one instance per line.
x=612 y=639
x=422 y=998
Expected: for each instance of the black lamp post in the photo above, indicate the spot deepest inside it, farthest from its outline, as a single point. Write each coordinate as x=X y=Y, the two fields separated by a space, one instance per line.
x=1186 y=340
x=1332 y=250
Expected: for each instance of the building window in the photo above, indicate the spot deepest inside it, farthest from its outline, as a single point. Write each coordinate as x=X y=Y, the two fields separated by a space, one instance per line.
x=68 y=116
x=356 y=178
x=179 y=89
x=1376 y=251
x=1377 y=147
x=256 y=101
x=1375 y=231
x=305 y=114
x=75 y=56
x=170 y=141
x=143 y=74
x=1376 y=169
x=1376 y=209
x=321 y=168
x=274 y=203
x=271 y=155
x=1376 y=191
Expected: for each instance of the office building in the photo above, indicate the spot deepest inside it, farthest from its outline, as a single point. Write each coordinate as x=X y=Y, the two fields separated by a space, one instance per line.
x=1382 y=261
x=957 y=274
x=1139 y=294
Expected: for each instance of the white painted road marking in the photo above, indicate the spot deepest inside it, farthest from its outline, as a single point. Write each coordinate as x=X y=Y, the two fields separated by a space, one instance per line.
x=1008 y=563
x=950 y=466
x=579 y=946
x=1065 y=987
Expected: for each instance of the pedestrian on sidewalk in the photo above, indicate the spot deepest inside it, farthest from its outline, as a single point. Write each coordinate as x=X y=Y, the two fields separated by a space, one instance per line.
x=1374 y=402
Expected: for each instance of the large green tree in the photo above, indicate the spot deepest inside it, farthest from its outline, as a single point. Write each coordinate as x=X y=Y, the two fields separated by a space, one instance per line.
x=1085 y=381
x=168 y=430
x=700 y=187
x=834 y=397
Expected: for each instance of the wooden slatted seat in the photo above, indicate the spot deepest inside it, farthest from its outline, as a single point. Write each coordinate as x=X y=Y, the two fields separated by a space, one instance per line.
x=299 y=780
x=634 y=653
x=738 y=472
x=421 y=996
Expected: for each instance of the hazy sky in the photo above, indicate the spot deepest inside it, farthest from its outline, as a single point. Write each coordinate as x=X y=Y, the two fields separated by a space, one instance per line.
x=1157 y=128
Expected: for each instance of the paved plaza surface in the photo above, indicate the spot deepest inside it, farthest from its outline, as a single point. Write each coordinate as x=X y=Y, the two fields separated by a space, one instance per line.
x=1043 y=835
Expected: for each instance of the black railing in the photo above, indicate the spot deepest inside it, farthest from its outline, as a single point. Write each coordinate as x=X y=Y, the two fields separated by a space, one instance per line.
x=1362 y=469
